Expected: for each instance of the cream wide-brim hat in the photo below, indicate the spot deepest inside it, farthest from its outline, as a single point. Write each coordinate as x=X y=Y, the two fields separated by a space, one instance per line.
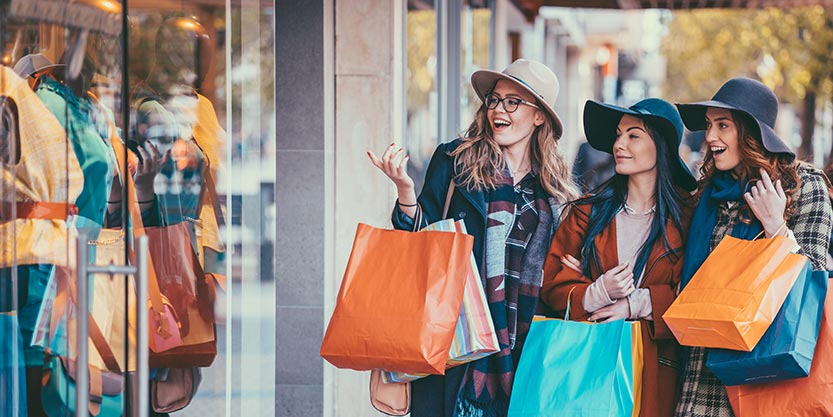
x=532 y=76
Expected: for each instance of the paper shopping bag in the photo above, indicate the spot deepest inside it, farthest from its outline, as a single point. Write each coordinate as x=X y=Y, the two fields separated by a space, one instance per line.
x=399 y=301
x=576 y=369
x=786 y=349
x=734 y=296
x=803 y=397
x=474 y=336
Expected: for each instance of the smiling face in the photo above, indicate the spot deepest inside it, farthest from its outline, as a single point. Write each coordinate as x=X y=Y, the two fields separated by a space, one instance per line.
x=513 y=129
x=634 y=150
x=722 y=138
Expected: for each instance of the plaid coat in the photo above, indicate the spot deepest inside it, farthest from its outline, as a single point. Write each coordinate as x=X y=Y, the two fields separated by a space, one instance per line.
x=702 y=394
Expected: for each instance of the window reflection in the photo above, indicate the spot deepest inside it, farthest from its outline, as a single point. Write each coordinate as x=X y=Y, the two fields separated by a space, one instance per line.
x=421 y=88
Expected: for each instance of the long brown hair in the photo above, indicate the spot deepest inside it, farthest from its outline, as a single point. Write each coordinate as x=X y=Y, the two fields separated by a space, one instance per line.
x=481 y=160
x=754 y=157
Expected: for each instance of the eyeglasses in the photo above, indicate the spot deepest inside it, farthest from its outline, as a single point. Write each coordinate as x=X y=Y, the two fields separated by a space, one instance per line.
x=510 y=104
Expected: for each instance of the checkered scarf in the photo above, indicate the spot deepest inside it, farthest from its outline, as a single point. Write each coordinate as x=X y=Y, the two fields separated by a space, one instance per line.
x=519 y=229
x=702 y=394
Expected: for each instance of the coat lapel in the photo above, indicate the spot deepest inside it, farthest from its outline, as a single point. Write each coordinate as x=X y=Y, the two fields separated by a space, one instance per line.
x=477 y=198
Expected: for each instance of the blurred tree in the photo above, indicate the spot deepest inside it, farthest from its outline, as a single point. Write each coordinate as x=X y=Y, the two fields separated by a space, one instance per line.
x=787 y=49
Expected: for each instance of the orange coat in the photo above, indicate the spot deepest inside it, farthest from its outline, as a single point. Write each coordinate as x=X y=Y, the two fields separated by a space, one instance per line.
x=662 y=275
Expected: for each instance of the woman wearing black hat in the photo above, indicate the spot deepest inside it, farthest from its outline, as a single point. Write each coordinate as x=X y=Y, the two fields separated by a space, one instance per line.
x=750 y=183
x=629 y=234
x=505 y=169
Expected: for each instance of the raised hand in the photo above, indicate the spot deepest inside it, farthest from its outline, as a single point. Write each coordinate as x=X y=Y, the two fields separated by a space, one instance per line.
x=394 y=164
x=768 y=202
x=152 y=162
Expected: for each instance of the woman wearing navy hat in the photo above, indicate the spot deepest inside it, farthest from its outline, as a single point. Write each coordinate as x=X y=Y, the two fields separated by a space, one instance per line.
x=751 y=182
x=506 y=180
x=619 y=250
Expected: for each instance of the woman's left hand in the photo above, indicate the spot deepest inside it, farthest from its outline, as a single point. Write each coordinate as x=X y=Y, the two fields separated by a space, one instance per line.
x=768 y=202
x=616 y=311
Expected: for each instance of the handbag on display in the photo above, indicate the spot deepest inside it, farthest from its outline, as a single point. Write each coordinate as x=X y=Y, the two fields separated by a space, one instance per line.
x=182 y=322
x=174 y=389
x=733 y=298
x=106 y=386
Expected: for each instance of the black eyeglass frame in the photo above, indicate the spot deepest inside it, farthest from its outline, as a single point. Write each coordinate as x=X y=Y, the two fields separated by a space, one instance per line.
x=495 y=100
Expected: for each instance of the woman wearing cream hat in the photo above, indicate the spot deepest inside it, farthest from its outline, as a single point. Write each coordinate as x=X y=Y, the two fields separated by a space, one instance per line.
x=506 y=180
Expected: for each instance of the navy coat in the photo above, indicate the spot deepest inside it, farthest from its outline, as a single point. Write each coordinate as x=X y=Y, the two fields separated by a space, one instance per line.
x=436 y=395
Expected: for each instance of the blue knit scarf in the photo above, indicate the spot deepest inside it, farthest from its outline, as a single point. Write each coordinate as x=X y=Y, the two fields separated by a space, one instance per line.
x=722 y=187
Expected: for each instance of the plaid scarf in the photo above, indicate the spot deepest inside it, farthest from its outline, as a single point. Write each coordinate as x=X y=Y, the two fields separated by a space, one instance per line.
x=518 y=232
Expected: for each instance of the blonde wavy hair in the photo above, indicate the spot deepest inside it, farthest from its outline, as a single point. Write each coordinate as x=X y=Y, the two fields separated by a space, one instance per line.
x=481 y=160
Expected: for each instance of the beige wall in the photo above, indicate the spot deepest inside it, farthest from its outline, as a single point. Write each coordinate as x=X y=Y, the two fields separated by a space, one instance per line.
x=368 y=111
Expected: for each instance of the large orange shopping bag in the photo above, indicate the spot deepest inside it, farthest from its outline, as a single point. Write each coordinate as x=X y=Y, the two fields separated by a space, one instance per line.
x=803 y=397
x=399 y=301
x=732 y=299
x=475 y=336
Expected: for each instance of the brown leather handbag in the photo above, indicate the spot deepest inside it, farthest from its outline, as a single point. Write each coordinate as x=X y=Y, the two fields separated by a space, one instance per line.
x=176 y=390
x=182 y=280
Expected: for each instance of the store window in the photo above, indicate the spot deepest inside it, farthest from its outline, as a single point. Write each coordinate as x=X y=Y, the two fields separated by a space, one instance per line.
x=172 y=138
x=421 y=88
x=446 y=41
x=476 y=35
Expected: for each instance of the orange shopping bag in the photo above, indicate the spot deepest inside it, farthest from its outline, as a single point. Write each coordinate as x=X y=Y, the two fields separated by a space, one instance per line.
x=399 y=301
x=803 y=397
x=732 y=299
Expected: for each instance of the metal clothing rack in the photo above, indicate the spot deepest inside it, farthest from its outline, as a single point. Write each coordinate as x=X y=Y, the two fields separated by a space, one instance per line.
x=140 y=273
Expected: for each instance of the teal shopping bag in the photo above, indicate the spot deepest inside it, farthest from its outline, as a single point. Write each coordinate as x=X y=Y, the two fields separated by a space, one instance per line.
x=576 y=369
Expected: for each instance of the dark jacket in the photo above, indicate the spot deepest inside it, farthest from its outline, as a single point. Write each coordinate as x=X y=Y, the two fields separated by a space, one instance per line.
x=662 y=275
x=436 y=395
x=466 y=205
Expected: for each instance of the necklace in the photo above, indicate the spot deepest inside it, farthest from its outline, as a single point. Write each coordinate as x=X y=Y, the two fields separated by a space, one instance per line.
x=630 y=209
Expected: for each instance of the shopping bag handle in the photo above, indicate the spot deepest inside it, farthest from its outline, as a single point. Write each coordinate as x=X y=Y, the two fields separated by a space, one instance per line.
x=448 y=198
x=569 y=301
x=777 y=232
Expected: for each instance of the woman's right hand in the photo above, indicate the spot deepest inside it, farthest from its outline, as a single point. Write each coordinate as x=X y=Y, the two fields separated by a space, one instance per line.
x=618 y=281
x=394 y=164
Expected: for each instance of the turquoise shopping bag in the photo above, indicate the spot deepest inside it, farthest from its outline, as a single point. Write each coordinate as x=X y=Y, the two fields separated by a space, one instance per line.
x=576 y=369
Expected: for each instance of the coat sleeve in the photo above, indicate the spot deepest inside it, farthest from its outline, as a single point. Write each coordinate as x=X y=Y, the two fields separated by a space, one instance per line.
x=661 y=298
x=813 y=222
x=435 y=188
x=560 y=281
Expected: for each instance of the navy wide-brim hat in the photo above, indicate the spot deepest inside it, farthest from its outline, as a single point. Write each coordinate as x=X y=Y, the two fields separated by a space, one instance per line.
x=751 y=98
x=601 y=121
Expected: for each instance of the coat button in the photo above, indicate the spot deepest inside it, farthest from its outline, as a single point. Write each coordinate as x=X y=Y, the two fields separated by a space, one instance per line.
x=462 y=215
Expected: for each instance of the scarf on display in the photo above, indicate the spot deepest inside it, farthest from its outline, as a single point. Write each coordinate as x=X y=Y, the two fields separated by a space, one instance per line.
x=722 y=187
x=518 y=233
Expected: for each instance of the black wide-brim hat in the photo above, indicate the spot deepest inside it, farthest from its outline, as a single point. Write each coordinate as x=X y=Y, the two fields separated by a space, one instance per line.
x=751 y=98
x=601 y=121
